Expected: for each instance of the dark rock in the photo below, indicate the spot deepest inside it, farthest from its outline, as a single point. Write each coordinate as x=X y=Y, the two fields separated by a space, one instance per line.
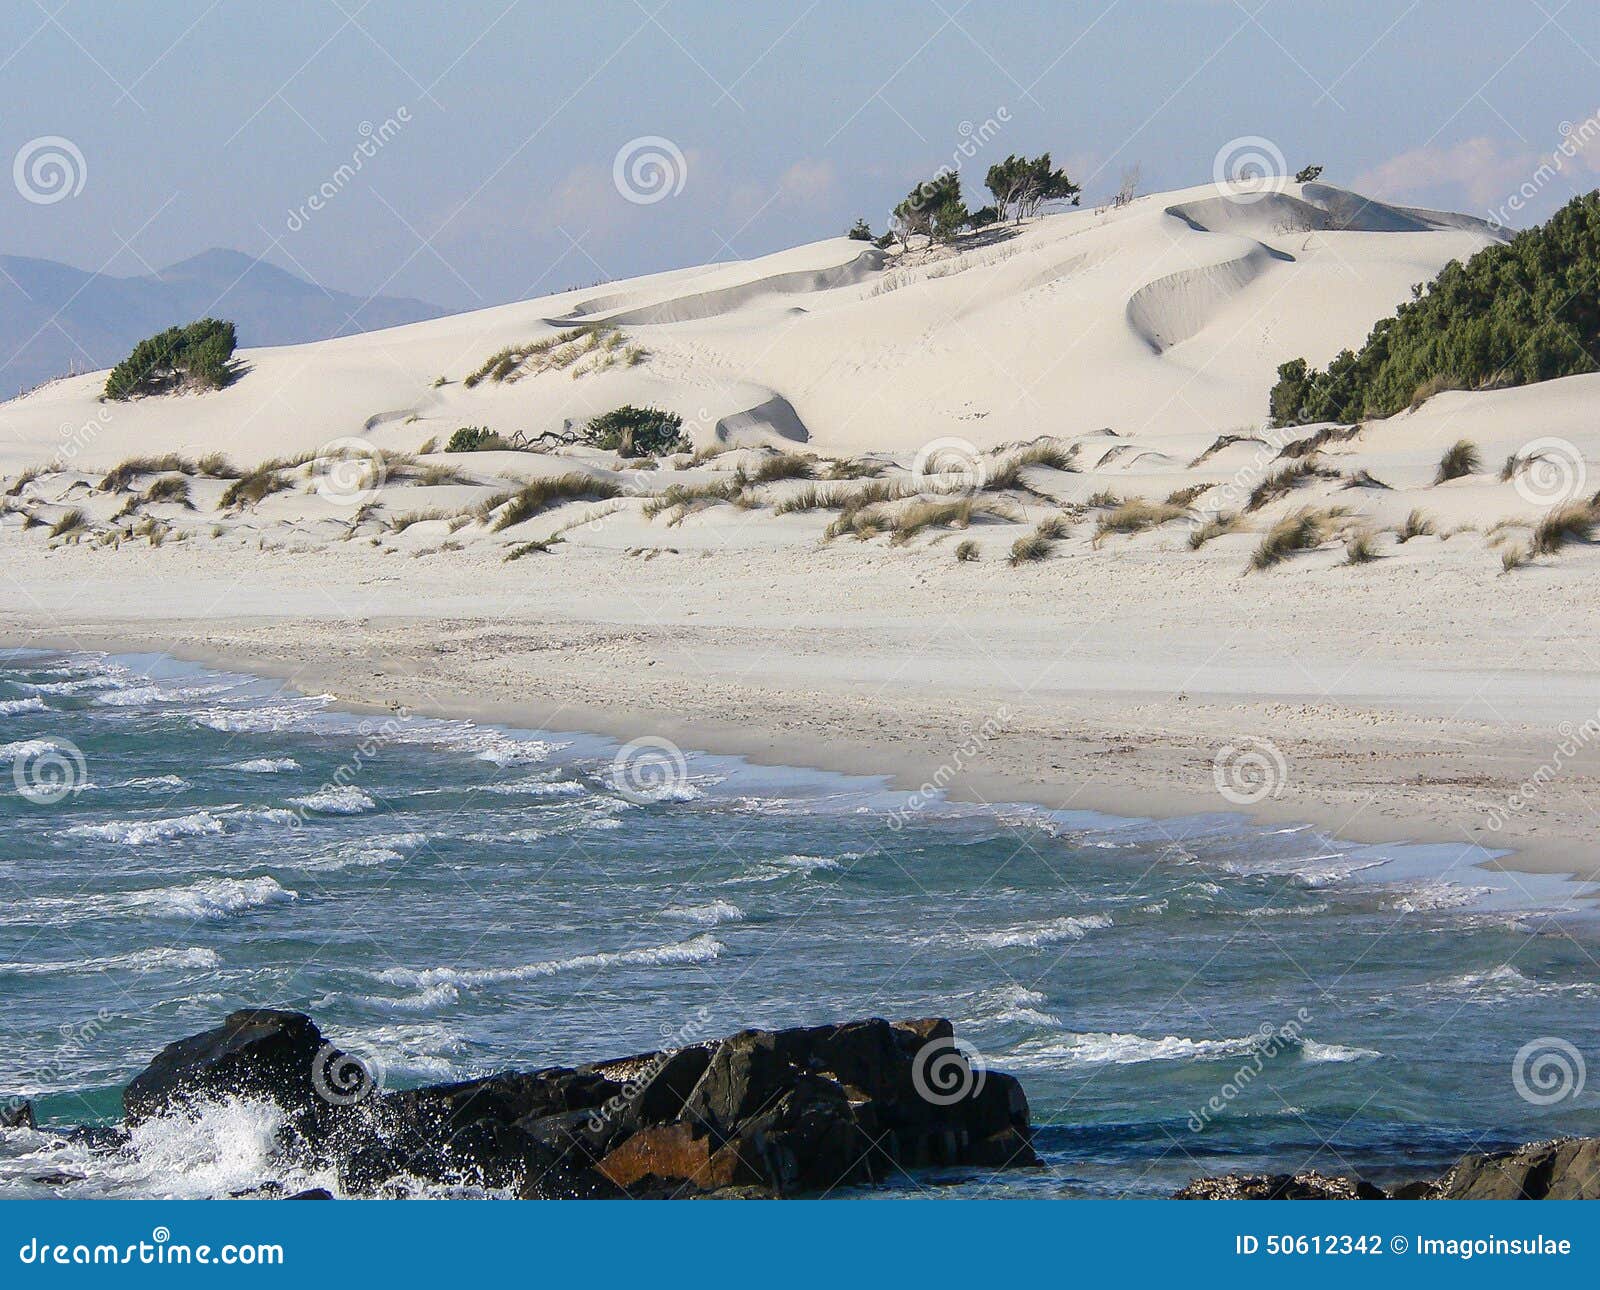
x=761 y=1112
x=1306 y=1186
x=57 y=1179
x=312 y=1193
x=258 y=1053
x=1562 y=1169
x=16 y=1113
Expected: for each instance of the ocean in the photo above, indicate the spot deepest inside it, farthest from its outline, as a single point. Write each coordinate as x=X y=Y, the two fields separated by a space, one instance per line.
x=1179 y=997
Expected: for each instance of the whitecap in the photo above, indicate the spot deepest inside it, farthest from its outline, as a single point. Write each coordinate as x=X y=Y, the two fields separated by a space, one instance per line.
x=344 y=799
x=212 y=899
x=707 y=915
x=12 y=707
x=265 y=765
x=138 y=833
x=1434 y=897
x=539 y=788
x=699 y=949
x=1312 y=1051
x=1036 y=935
x=173 y=782
x=151 y=960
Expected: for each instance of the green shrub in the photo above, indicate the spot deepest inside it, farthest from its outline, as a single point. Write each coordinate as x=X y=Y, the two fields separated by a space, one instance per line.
x=199 y=356
x=637 y=432
x=1514 y=314
x=475 y=439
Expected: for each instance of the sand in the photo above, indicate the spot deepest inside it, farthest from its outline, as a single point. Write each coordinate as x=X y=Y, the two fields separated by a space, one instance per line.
x=1406 y=698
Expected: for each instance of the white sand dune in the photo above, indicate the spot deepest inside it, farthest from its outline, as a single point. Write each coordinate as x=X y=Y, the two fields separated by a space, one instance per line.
x=1411 y=695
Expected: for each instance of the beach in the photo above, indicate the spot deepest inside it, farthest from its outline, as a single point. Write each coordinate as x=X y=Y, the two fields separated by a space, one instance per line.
x=1408 y=699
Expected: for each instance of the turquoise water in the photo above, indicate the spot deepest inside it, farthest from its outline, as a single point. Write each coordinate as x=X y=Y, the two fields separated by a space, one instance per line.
x=449 y=899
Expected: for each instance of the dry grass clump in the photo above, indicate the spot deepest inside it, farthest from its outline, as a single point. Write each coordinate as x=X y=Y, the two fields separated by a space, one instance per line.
x=1427 y=389
x=1187 y=496
x=1213 y=527
x=125 y=473
x=254 y=487
x=1105 y=499
x=1035 y=546
x=1047 y=453
x=1574 y=522
x=862 y=523
x=169 y=488
x=1364 y=478
x=1286 y=479
x=72 y=523
x=783 y=465
x=400 y=523
x=1297 y=448
x=1460 y=459
x=853 y=502
x=434 y=476
x=24 y=479
x=215 y=466
x=1418 y=524
x=1305 y=530
x=604 y=346
x=539 y=547
x=1361 y=549
x=1135 y=516
x=683 y=500
x=541 y=494
x=966 y=551
x=953 y=514
x=855 y=468
x=1514 y=557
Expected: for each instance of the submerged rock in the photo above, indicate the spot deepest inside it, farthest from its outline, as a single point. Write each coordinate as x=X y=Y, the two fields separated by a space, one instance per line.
x=762 y=1112
x=1307 y=1186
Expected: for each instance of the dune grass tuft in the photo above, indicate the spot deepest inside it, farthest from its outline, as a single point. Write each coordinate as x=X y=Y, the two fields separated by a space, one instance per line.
x=1035 y=546
x=169 y=488
x=1135 y=516
x=1187 y=496
x=1361 y=549
x=253 y=487
x=1286 y=479
x=125 y=473
x=73 y=522
x=1418 y=524
x=541 y=494
x=1214 y=527
x=783 y=465
x=1304 y=530
x=966 y=551
x=1460 y=459
x=947 y=513
x=1574 y=522
x=679 y=501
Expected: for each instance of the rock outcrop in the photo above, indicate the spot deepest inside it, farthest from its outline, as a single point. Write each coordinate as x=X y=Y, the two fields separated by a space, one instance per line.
x=1561 y=1169
x=762 y=1112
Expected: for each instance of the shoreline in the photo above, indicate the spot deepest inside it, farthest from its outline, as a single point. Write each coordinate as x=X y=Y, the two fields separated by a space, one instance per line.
x=994 y=777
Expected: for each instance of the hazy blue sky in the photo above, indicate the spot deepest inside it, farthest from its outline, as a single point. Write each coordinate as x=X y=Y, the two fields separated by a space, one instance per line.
x=204 y=123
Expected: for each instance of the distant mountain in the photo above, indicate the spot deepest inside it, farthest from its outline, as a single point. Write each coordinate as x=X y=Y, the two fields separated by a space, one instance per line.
x=56 y=319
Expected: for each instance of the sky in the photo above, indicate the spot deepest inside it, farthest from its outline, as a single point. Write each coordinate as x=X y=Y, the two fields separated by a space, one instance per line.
x=490 y=150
